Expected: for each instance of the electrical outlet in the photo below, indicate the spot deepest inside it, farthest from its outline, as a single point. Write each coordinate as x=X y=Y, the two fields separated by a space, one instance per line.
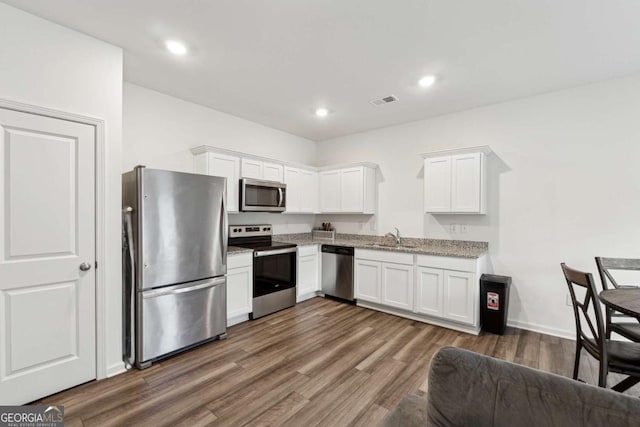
x=464 y=228
x=453 y=228
x=569 y=303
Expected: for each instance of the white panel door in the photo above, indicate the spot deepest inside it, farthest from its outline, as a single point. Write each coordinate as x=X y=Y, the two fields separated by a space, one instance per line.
x=292 y=177
x=227 y=167
x=330 y=191
x=309 y=191
x=368 y=277
x=459 y=296
x=465 y=183
x=437 y=184
x=253 y=169
x=352 y=196
x=47 y=230
x=272 y=172
x=239 y=291
x=307 y=274
x=430 y=291
x=397 y=285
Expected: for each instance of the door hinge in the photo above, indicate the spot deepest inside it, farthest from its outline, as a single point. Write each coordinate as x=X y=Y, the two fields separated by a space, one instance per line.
x=96 y=264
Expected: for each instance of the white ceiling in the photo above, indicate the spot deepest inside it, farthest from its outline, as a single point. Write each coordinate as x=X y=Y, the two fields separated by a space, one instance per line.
x=274 y=62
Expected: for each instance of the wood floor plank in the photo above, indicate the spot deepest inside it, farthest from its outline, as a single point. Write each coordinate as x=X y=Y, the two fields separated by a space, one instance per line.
x=320 y=363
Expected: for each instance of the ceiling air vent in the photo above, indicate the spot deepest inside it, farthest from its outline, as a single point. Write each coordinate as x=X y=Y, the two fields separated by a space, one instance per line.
x=382 y=101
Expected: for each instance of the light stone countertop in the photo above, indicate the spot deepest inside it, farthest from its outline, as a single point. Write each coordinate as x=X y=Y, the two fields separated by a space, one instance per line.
x=452 y=248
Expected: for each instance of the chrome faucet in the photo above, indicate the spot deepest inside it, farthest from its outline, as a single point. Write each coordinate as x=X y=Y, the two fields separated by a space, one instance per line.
x=395 y=236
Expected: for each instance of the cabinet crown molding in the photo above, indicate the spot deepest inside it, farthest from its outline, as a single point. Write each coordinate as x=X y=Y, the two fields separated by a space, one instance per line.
x=464 y=150
x=210 y=149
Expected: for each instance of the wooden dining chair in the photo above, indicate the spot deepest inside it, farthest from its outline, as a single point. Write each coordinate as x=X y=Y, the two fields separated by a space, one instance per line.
x=614 y=356
x=629 y=327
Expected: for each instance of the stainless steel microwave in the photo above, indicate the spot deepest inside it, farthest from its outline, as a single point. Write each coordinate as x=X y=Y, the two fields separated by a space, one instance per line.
x=262 y=196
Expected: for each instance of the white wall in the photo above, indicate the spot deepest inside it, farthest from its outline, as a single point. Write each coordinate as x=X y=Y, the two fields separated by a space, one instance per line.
x=47 y=65
x=159 y=131
x=564 y=186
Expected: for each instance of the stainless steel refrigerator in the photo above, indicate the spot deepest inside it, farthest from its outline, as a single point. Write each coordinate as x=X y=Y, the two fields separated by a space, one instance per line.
x=174 y=262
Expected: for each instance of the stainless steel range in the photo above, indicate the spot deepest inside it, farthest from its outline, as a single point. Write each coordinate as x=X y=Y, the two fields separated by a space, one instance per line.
x=274 y=268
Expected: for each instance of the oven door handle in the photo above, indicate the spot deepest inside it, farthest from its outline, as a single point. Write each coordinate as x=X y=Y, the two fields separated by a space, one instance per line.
x=274 y=252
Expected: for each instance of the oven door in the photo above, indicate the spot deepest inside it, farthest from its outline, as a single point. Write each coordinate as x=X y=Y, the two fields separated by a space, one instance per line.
x=262 y=196
x=273 y=271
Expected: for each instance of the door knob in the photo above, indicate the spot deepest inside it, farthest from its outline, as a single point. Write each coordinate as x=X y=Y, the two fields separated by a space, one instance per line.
x=85 y=266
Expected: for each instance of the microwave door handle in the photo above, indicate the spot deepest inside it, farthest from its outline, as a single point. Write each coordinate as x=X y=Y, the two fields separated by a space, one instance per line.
x=280 y=197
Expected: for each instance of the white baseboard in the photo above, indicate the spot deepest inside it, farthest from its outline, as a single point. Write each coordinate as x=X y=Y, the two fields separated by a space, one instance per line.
x=305 y=297
x=237 y=319
x=542 y=329
x=473 y=330
x=116 y=369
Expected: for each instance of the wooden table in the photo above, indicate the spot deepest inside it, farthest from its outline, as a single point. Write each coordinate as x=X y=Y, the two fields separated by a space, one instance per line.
x=627 y=301
x=623 y=300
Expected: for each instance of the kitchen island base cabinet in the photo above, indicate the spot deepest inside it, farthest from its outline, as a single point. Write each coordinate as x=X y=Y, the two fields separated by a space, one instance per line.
x=308 y=272
x=239 y=287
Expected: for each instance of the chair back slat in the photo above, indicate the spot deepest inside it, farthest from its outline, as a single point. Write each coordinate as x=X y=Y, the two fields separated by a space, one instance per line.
x=607 y=265
x=594 y=324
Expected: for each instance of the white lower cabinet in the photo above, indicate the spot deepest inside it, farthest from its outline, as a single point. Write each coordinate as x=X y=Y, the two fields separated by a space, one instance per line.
x=430 y=290
x=308 y=270
x=368 y=278
x=239 y=286
x=397 y=285
x=441 y=290
x=460 y=296
x=385 y=278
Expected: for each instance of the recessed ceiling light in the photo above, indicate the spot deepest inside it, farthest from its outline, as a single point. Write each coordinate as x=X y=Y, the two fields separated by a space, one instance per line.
x=427 y=81
x=322 y=112
x=175 y=47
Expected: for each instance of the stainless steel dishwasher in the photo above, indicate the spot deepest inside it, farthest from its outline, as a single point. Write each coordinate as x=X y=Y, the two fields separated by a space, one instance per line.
x=337 y=271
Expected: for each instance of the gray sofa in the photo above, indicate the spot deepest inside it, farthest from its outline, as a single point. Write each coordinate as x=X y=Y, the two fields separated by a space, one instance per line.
x=470 y=389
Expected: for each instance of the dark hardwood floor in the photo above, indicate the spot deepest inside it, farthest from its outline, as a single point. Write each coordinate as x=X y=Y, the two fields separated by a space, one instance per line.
x=319 y=363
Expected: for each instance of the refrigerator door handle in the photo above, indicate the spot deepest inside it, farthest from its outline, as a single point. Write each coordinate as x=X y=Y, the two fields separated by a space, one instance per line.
x=224 y=230
x=130 y=352
x=189 y=287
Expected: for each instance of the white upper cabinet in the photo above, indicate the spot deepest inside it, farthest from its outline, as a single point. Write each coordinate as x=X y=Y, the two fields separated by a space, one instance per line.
x=257 y=169
x=437 y=184
x=348 y=190
x=302 y=190
x=251 y=168
x=273 y=172
x=455 y=181
x=309 y=190
x=330 y=195
x=224 y=165
x=466 y=183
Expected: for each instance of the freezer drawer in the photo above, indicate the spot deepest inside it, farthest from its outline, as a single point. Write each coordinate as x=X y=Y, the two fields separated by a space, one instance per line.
x=175 y=317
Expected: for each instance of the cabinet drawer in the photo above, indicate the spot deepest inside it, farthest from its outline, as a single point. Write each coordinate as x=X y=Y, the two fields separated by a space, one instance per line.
x=308 y=250
x=448 y=263
x=384 y=256
x=244 y=259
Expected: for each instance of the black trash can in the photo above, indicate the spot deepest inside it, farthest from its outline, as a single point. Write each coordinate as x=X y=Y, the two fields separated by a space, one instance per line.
x=494 y=302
